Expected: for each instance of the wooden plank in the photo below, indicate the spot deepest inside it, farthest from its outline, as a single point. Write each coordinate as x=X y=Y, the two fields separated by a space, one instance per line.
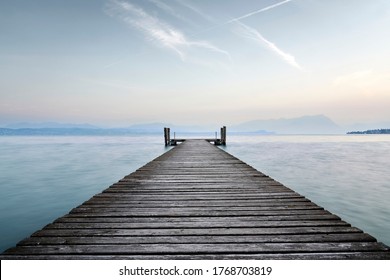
x=129 y=197
x=196 y=231
x=127 y=214
x=197 y=197
x=72 y=219
x=378 y=255
x=211 y=239
x=271 y=248
x=196 y=203
x=149 y=208
x=195 y=213
x=198 y=186
x=204 y=224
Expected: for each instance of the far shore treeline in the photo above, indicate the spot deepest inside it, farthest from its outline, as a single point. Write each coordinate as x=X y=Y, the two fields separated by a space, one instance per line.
x=373 y=131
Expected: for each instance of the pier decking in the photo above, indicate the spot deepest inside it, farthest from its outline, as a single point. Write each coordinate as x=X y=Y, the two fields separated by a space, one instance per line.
x=198 y=202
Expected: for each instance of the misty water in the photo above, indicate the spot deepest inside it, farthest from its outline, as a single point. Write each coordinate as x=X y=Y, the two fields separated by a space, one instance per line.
x=43 y=177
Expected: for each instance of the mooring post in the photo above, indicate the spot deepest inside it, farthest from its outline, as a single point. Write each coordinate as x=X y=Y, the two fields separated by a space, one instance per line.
x=223 y=135
x=167 y=137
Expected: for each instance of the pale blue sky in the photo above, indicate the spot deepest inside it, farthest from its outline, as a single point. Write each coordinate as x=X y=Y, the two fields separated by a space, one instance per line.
x=114 y=62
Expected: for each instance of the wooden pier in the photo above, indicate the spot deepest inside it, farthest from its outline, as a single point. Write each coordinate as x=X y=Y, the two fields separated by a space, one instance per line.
x=198 y=202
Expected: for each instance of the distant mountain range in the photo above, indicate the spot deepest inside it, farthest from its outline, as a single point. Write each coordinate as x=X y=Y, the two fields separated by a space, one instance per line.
x=53 y=129
x=317 y=124
x=43 y=125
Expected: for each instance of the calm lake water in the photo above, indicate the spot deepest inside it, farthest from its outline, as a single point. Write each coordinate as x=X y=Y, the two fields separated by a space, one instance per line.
x=43 y=177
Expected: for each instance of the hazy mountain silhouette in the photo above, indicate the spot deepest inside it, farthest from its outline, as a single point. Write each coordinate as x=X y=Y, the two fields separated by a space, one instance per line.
x=43 y=125
x=318 y=124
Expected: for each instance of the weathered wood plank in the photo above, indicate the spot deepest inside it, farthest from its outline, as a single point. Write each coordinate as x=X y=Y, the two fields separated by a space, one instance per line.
x=128 y=214
x=175 y=213
x=379 y=255
x=128 y=197
x=325 y=247
x=204 y=224
x=196 y=203
x=196 y=231
x=175 y=188
x=248 y=206
x=230 y=219
x=210 y=239
x=190 y=204
x=190 y=209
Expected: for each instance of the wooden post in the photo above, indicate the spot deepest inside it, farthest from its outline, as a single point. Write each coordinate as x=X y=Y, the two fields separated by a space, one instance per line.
x=167 y=136
x=223 y=135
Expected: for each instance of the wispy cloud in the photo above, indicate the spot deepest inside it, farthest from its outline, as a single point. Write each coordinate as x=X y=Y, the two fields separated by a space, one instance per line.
x=159 y=31
x=251 y=33
x=163 y=6
x=196 y=10
x=170 y=11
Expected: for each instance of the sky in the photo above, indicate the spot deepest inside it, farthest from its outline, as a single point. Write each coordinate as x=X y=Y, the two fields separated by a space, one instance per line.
x=121 y=62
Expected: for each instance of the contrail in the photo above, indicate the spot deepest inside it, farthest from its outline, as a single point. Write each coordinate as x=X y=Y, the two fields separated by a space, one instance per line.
x=259 y=11
x=253 y=34
x=245 y=16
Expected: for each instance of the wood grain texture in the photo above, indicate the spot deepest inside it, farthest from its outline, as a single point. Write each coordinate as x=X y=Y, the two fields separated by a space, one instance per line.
x=198 y=202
